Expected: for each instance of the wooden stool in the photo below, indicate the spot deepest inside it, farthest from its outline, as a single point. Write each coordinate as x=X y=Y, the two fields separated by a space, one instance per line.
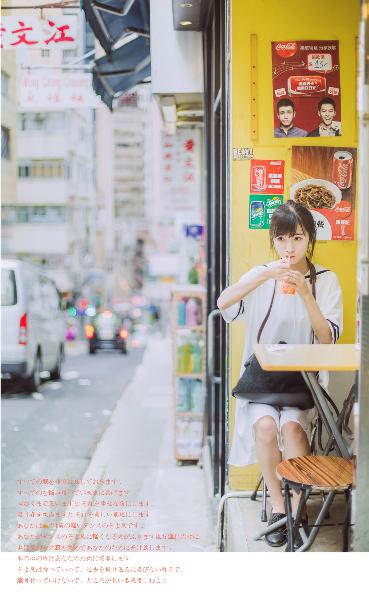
x=326 y=473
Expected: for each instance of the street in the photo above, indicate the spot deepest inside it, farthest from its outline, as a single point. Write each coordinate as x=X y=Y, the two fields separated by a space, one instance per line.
x=53 y=433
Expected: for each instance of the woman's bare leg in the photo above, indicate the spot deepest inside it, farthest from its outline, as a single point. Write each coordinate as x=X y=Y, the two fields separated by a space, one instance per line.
x=295 y=443
x=268 y=455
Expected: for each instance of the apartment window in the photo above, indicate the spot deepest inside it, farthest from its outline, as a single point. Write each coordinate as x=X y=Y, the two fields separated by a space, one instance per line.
x=69 y=54
x=45 y=52
x=5 y=81
x=8 y=215
x=5 y=143
x=51 y=121
x=43 y=169
x=40 y=214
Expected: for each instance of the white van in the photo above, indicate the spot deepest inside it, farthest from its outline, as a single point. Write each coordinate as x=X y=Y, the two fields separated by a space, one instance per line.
x=32 y=324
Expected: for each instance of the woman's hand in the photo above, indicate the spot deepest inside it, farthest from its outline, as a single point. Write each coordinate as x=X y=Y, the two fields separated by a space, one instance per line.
x=278 y=270
x=297 y=280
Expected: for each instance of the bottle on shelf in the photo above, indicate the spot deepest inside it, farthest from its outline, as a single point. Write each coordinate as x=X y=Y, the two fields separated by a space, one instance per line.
x=181 y=308
x=182 y=437
x=182 y=395
x=192 y=313
x=181 y=362
x=184 y=353
x=195 y=438
x=196 y=401
x=196 y=355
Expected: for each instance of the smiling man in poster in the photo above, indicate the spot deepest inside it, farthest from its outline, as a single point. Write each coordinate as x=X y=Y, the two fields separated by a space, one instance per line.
x=327 y=127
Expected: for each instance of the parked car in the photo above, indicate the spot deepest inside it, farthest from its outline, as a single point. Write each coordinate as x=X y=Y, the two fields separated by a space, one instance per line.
x=32 y=324
x=106 y=331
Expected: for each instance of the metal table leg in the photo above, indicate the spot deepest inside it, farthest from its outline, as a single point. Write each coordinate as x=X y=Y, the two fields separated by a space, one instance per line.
x=325 y=413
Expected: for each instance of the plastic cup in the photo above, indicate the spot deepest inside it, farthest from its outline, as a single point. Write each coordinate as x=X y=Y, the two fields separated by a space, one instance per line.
x=287 y=288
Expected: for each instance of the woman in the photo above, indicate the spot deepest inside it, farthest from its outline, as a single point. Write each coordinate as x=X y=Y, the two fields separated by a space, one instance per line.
x=295 y=318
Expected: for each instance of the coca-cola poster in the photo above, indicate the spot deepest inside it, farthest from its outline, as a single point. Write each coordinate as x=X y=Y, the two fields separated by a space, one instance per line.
x=267 y=177
x=306 y=88
x=324 y=180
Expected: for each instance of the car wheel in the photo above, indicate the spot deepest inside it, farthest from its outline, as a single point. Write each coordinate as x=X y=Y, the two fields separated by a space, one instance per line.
x=32 y=383
x=56 y=372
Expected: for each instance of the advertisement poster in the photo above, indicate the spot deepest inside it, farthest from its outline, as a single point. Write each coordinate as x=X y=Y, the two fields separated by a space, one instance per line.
x=324 y=180
x=266 y=189
x=306 y=88
x=267 y=177
x=261 y=207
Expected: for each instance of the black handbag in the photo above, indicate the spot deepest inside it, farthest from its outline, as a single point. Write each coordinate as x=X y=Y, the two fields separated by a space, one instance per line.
x=276 y=388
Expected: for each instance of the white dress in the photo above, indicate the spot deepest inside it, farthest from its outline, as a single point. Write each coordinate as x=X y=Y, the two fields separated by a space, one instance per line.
x=288 y=322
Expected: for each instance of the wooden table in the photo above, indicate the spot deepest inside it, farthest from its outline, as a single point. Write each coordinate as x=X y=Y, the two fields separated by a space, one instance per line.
x=309 y=358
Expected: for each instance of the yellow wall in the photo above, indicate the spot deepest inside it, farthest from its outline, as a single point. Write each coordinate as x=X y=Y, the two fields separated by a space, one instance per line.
x=281 y=21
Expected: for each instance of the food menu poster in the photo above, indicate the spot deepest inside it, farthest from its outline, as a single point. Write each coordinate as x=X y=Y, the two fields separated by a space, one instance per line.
x=324 y=180
x=305 y=73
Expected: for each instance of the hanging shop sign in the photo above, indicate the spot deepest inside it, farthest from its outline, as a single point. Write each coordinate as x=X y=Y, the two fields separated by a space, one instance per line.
x=261 y=208
x=193 y=231
x=32 y=32
x=267 y=177
x=324 y=180
x=306 y=89
x=180 y=171
x=47 y=89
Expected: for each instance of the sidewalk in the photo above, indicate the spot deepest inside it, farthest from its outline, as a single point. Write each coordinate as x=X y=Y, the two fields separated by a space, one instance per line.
x=137 y=450
x=243 y=523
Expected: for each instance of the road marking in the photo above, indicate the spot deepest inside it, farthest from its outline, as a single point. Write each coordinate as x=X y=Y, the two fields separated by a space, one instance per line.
x=70 y=375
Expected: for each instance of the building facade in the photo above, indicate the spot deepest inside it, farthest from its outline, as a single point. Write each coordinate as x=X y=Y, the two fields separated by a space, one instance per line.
x=51 y=218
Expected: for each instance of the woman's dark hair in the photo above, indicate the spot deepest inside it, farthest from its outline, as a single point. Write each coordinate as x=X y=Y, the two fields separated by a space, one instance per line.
x=286 y=219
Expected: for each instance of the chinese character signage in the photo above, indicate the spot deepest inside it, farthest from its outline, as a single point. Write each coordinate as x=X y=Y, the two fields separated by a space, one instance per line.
x=49 y=89
x=261 y=207
x=267 y=176
x=324 y=180
x=306 y=89
x=180 y=168
x=31 y=32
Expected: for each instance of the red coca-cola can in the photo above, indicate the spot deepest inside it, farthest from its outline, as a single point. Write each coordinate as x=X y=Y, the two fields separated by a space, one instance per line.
x=342 y=169
x=258 y=178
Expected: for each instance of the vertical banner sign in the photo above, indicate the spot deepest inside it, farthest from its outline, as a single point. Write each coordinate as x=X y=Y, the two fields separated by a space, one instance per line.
x=306 y=89
x=324 y=180
x=180 y=170
x=266 y=189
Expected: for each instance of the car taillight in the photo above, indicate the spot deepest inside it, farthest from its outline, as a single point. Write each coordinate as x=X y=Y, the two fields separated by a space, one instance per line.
x=23 y=330
x=89 y=331
x=123 y=334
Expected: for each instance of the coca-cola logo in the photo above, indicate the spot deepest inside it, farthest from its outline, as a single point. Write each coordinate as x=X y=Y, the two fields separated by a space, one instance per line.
x=343 y=172
x=286 y=49
x=259 y=178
